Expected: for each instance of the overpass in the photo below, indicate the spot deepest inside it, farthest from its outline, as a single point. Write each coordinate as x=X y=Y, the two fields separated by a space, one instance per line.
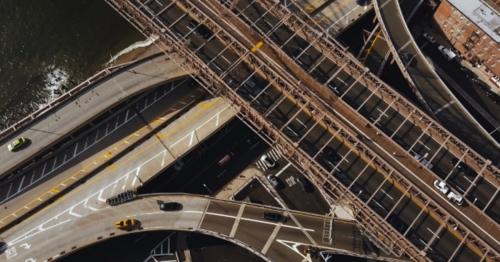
x=240 y=223
x=81 y=105
x=128 y=158
x=434 y=93
x=273 y=104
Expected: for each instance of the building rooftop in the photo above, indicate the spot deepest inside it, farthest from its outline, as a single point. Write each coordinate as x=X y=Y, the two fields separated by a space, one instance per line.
x=480 y=13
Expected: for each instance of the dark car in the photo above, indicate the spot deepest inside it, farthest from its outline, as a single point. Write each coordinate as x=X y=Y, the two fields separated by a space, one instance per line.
x=276 y=217
x=306 y=185
x=3 y=247
x=170 y=206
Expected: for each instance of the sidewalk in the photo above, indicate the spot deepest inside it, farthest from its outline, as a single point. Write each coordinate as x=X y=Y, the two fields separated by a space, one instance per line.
x=238 y=183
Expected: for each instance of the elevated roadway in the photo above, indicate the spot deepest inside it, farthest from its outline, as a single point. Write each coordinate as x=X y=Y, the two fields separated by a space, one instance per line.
x=283 y=112
x=435 y=94
x=240 y=223
x=127 y=161
x=48 y=129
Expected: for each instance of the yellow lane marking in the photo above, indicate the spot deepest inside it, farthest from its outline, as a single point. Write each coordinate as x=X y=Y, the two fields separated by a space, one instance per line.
x=204 y=105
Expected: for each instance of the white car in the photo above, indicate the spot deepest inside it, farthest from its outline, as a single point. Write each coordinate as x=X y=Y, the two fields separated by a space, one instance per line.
x=454 y=197
x=269 y=162
x=441 y=186
x=447 y=52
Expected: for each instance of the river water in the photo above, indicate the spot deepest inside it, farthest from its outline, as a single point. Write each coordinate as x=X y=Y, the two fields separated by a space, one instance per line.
x=48 y=46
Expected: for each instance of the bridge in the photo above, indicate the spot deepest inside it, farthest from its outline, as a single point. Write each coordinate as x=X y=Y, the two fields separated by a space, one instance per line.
x=240 y=223
x=286 y=92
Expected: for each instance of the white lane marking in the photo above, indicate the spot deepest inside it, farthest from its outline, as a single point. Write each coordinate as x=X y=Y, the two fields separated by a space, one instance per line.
x=41 y=228
x=191 y=138
x=25 y=245
x=237 y=220
x=283 y=169
x=11 y=252
x=251 y=220
x=89 y=207
x=271 y=238
x=71 y=212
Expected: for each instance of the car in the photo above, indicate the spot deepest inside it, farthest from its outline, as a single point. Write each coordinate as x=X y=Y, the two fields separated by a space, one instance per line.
x=170 y=206
x=127 y=224
x=273 y=180
x=456 y=198
x=441 y=187
x=429 y=37
x=268 y=161
x=18 y=144
x=306 y=185
x=225 y=159
x=3 y=247
x=447 y=52
x=276 y=217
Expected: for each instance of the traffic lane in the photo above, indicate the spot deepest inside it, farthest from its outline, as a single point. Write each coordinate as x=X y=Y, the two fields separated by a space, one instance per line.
x=55 y=126
x=104 y=134
x=462 y=77
x=143 y=162
x=99 y=163
x=61 y=237
x=452 y=116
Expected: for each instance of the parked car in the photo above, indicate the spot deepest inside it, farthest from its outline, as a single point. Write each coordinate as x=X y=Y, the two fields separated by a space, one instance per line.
x=447 y=52
x=18 y=144
x=127 y=224
x=429 y=37
x=268 y=161
x=276 y=217
x=170 y=206
x=274 y=181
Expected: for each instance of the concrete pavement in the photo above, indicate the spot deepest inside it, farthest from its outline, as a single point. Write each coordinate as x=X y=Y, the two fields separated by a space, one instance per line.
x=68 y=117
x=242 y=224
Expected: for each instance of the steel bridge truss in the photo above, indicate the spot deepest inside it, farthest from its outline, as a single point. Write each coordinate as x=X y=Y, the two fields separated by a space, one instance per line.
x=318 y=38
x=216 y=74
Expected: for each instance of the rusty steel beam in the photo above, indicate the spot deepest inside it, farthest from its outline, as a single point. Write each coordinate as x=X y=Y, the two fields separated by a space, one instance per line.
x=370 y=221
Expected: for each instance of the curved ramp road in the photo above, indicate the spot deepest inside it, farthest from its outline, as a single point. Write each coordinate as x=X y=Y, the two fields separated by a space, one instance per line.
x=444 y=105
x=240 y=223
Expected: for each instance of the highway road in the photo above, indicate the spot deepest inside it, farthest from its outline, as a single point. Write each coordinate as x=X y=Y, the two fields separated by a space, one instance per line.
x=145 y=155
x=118 y=122
x=444 y=105
x=387 y=197
x=50 y=129
x=242 y=224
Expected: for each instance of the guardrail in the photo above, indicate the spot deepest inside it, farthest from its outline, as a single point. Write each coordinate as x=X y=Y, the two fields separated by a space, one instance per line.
x=77 y=90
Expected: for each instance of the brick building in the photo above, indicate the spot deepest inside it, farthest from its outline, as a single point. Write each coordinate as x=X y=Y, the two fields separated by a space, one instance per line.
x=473 y=28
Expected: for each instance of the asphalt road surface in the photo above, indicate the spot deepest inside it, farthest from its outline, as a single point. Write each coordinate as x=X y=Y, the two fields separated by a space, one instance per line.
x=55 y=126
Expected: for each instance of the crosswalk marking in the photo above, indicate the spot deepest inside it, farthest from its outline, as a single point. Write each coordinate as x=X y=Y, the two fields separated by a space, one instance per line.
x=275 y=154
